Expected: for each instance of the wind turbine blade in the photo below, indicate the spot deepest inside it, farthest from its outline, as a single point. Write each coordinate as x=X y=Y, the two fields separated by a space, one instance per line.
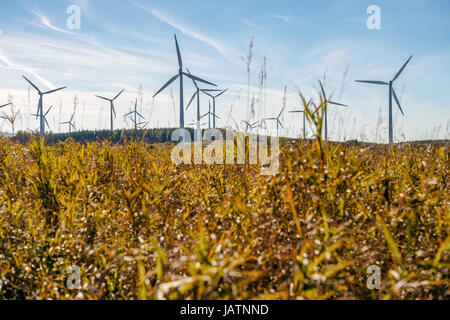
x=166 y=85
x=280 y=123
x=46 y=122
x=180 y=62
x=32 y=84
x=211 y=90
x=144 y=125
x=140 y=115
x=113 y=109
x=64 y=122
x=337 y=104
x=398 y=102
x=204 y=115
x=103 y=98
x=216 y=116
x=246 y=123
x=255 y=123
x=195 y=83
x=39 y=106
x=372 y=82
x=71 y=118
x=198 y=79
x=205 y=92
x=280 y=113
x=309 y=102
x=48 y=111
x=192 y=99
x=128 y=113
x=5 y=105
x=401 y=70
x=118 y=95
x=51 y=91
x=271 y=119
x=73 y=126
x=222 y=93
x=323 y=91
x=296 y=111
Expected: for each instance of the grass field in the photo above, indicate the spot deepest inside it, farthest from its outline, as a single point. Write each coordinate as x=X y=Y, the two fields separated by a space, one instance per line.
x=140 y=227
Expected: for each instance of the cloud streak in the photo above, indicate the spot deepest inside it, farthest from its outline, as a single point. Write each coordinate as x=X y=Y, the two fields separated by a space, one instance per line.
x=44 y=20
x=287 y=19
x=13 y=65
x=250 y=24
x=189 y=32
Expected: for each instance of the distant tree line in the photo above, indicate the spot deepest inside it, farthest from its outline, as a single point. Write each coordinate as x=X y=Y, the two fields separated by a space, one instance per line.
x=155 y=135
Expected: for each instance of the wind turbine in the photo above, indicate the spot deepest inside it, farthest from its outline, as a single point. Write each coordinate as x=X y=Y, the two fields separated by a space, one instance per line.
x=209 y=114
x=207 y=91
x=251 y=126
x=196 y=123
x=136 y=114
x=391 y=93
x=326 y=102
x=196 y=95
x=111 y=101
x=70 y=123
x=304 y=118
x=142 y=124
x=5 y=105
x=33 y=131
x=278 y=120
x=180 y=75
x=198 y=134
x=40 y=112
x=43 y=119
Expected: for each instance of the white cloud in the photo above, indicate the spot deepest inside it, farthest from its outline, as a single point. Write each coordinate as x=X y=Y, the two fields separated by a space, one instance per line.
x=287 y=19
x=1 y=32
x=44 y=20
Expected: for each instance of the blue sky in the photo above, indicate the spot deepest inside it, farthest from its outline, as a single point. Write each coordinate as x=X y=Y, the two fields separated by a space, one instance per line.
x=125 y=44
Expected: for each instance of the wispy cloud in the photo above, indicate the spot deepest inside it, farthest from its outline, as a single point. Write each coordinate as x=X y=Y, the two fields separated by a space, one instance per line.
x=11 y=64
x=1 y=32
x=287 y=19
x=251 y=24
x=45 y=21
x=189 y=32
